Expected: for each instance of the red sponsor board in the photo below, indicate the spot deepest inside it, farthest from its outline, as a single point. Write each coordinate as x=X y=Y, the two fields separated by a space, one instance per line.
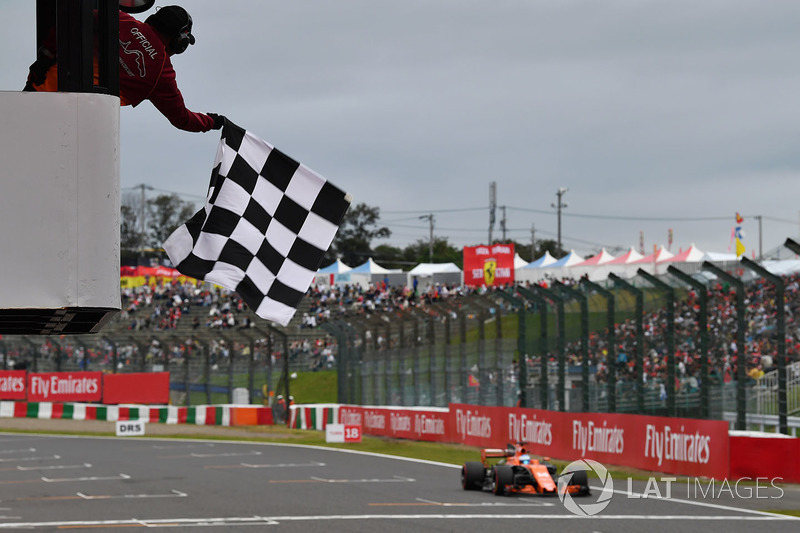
x=489 y=265
x=65 y=387
x=142 y=388
x=12 y=384
x=414 y=424
x=675 y=445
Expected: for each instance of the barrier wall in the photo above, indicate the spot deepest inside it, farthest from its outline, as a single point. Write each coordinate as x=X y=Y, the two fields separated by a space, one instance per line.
x=93 y=387
x=201 y=415
x=765 y=457
x=688 y=447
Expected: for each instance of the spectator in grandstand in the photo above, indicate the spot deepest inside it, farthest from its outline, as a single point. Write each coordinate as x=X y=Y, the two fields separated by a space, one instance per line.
x=146 y=71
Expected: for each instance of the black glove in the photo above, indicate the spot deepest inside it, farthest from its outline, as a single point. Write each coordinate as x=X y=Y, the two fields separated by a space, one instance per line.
x=38 y=71
x=219 y=121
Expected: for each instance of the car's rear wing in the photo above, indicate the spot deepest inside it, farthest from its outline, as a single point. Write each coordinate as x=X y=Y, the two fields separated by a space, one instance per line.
x=495 y=453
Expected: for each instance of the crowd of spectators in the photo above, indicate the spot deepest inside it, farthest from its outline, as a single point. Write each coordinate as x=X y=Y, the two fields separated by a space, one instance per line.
x=165 y=307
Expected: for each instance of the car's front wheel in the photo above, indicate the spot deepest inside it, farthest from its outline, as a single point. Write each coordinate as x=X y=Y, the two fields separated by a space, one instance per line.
x=472 y=474
x=503 y=478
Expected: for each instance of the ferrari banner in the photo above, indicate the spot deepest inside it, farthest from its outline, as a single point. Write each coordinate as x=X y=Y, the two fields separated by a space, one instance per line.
x=489 y=265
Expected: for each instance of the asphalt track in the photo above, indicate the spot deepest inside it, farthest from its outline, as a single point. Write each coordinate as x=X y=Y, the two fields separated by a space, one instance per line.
x=52 y=483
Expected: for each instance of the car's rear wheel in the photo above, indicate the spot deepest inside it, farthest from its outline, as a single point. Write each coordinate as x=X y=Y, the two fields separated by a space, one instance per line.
x=472 y=474
x=503 y=477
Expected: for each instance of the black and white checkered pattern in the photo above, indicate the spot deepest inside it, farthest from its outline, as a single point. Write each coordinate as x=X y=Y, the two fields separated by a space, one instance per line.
x=265 y=228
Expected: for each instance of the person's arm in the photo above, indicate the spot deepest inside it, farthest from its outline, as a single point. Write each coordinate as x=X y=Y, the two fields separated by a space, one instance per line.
x=167 y=98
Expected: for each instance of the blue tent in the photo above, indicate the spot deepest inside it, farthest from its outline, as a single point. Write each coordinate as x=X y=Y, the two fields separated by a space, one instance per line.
x=336 y=267
x=544 y=261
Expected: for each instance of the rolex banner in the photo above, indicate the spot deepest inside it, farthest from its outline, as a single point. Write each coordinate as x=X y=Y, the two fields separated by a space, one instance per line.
x=489 y=265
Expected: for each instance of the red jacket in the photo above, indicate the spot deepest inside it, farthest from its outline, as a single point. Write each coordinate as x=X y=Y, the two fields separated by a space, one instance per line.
x=145 y=73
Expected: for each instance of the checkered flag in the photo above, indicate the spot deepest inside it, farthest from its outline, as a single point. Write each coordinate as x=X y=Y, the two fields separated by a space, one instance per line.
x=265 y=227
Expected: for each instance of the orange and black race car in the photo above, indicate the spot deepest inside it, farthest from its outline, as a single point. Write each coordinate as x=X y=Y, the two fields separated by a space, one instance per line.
x=517 y=472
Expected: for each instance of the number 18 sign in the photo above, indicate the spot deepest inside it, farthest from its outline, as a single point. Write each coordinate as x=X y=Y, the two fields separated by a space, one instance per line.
x=342 y=433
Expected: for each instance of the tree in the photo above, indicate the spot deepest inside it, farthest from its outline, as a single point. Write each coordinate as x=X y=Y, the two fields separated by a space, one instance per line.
x=353 y=241
x=164 y=214
x=544 y=246
x=443 y=252
x=129 y=238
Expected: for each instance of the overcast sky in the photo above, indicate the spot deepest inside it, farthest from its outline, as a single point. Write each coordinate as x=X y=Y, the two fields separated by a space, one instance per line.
x=656 y=115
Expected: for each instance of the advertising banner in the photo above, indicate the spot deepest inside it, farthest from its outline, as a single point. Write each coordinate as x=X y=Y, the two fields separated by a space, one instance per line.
x=141 y=388
x=489 y=265
x=676 y=445
x=400 y=423
x=12 y=384
x=65 y=387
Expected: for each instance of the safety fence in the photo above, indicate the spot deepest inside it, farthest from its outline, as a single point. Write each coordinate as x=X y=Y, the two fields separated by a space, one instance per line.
x=665 y=345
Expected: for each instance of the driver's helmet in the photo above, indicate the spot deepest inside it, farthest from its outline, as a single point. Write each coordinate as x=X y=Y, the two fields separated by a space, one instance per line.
x=525 y=459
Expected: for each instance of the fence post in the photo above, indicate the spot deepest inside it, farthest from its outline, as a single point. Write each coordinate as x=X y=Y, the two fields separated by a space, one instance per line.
x=341 y=358
x=741 y=326
x=522 y=370
x=544 y=381
x=781 y=338
x=560 y=343
x=639 y=361
x=611 y=363
x=584 y=305
x=670 y=338
x=702 y=320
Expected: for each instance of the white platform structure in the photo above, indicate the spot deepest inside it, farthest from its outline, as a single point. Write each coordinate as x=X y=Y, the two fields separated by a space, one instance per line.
x=59 y=212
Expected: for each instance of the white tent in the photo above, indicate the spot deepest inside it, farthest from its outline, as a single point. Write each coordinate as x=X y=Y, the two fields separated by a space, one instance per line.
x=714 y=256
x=429 y=269
x=519 y=262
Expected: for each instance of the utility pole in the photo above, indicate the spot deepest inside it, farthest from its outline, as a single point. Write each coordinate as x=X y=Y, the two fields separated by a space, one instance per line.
x=559 y=206
x=533 y=242
x=503 y=223
x=430 y=220
x=492 y=207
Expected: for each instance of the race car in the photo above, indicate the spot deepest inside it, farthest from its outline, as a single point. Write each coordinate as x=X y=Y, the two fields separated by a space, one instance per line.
x=517 y=472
